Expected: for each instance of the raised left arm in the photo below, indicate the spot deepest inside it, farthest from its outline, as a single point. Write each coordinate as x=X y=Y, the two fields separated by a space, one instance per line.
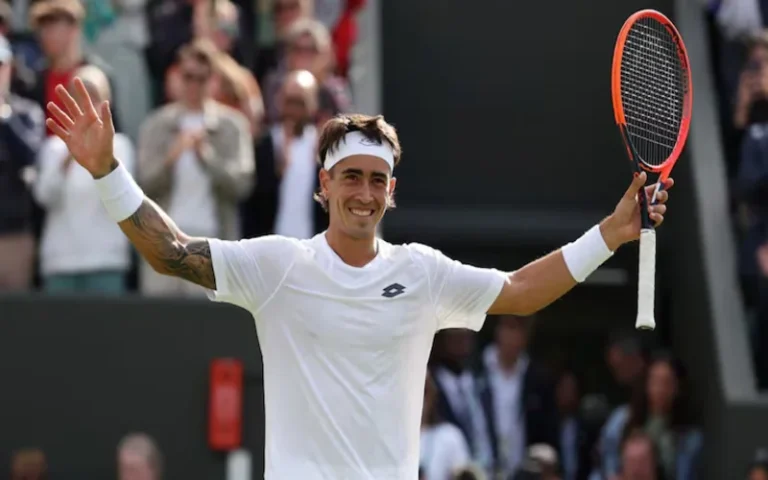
x=543 y=281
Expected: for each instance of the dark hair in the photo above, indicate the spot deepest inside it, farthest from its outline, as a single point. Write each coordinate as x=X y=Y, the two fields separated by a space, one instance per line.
x=375 y=128
x=680 y=418
x=629 y=343
x=640 y=436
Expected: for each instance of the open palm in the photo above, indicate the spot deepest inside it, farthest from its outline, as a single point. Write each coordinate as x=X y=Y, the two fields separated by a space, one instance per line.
x=87 y=133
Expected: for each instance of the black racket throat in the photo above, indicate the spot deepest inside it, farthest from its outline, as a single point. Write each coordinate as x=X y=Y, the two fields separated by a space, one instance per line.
x=645 y=218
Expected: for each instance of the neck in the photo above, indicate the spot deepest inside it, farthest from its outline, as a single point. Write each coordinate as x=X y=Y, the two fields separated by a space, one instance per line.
x=68 y=61
x=356 y=252
x=508 y=361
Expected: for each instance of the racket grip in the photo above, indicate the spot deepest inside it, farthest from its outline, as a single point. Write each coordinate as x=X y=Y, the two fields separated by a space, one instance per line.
x=646 y=282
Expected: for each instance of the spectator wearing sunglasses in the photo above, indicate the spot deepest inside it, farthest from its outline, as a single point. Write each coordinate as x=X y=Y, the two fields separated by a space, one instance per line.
x=309 y=47
x=196 y=161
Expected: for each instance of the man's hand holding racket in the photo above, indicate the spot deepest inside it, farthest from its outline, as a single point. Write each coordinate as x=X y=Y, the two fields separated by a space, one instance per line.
x=625 y=224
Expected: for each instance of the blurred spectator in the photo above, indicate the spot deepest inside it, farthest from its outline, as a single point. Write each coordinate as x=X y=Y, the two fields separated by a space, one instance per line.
x=58 y=24
x=308 y=47
x=458 y=397
x=82 y=249
x=344 y=34
x=471 y=472
x=546 y=459
x=220 y=22
x=443 y=448
x=139 y=458
x=626 y=358
x=122 y=38
x=236 y=87
x=29 y=464
x=517 y=396
x=758 y=471
x=287 y=168
x=196 y=160
x=284 y=14
x=22 y=129
x=660 y=409
x=575 y=438
x=639 y=460
x=171 y=26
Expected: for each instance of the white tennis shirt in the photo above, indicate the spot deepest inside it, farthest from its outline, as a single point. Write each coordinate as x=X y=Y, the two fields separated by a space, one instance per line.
x=345 y=349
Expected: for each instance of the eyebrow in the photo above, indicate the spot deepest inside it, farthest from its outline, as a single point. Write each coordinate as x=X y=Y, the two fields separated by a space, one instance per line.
x=357 y=171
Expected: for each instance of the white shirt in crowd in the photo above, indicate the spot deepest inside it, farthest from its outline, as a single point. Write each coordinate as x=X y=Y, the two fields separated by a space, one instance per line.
x=296 y=206
x=193 y=203
x=443 y=451
x=507 y=388
x=345 y=349
x=78 y=236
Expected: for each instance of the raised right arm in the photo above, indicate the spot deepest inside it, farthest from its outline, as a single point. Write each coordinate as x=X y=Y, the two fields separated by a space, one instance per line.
x=166 y=248
x=157 y=238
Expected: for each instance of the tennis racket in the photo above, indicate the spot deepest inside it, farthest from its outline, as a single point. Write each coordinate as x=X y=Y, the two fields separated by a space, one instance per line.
x=652 y=96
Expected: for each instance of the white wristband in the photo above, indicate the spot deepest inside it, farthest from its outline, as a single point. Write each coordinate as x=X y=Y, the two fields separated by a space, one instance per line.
x=586 y=254
x=119 y=194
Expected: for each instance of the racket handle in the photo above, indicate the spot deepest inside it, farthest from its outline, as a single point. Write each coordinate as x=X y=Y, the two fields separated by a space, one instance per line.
x=646 y=282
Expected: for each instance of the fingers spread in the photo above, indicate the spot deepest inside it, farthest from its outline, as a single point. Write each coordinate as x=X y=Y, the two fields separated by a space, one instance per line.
x=106 y=116
x=69 y=103
x=60 y=115
x=57 y=129
x=84 y=99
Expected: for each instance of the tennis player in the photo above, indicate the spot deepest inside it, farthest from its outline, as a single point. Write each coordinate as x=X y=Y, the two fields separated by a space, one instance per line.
x=345 y=320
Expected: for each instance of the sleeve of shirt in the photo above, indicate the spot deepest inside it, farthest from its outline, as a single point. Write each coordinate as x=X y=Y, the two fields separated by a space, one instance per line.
x=461 y=294
x=249 y=272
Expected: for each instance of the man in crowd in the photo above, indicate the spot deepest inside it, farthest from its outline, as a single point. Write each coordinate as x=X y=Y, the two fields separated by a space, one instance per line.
x=196 y=160
x=22 y=129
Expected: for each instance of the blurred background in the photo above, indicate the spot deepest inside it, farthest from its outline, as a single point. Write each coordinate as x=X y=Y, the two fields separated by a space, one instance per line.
x=108 y=370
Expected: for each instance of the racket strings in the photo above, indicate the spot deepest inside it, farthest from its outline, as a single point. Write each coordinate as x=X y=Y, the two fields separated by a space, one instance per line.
x=653 y=87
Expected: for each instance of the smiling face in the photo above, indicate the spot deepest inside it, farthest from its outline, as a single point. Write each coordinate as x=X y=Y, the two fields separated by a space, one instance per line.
x=358 y=190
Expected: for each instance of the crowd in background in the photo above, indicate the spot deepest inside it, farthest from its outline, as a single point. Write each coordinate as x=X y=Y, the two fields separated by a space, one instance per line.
x=217 y=105
x=739 y=43
x=208 y=96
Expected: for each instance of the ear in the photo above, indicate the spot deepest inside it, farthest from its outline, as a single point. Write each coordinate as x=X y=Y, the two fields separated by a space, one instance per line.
x=392 y=184
x=325 y=179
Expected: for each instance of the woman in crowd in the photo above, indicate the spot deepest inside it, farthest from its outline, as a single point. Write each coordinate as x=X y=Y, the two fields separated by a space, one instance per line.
x=443 y=449
x=658 y=408
x=82 y=250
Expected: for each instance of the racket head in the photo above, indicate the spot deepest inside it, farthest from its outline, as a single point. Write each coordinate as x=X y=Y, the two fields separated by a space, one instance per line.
x=652 y=91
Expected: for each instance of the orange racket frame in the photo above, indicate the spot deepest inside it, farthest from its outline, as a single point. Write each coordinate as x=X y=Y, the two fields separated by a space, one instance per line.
x=618 y=109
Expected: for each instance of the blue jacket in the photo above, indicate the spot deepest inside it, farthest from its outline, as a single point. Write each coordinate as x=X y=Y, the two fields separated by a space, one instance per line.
x=22 y=130
x=688 y=449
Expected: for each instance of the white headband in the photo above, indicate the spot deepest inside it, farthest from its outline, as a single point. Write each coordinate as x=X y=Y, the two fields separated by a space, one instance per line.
x=355 y=143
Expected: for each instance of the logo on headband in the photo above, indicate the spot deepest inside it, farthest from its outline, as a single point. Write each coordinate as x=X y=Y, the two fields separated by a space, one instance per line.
x=368 y=142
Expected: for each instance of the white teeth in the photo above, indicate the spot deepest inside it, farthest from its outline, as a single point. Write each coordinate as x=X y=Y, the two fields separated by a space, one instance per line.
x=361 y=213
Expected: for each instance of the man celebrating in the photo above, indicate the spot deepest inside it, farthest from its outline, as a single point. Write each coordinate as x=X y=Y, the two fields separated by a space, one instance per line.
x=345 y=320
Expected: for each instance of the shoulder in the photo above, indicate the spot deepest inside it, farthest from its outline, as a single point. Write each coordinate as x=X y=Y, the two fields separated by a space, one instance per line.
x=228 y=116
x=162 y=114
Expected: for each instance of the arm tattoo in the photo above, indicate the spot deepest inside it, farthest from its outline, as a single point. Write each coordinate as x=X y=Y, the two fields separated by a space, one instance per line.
x=168 y=250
